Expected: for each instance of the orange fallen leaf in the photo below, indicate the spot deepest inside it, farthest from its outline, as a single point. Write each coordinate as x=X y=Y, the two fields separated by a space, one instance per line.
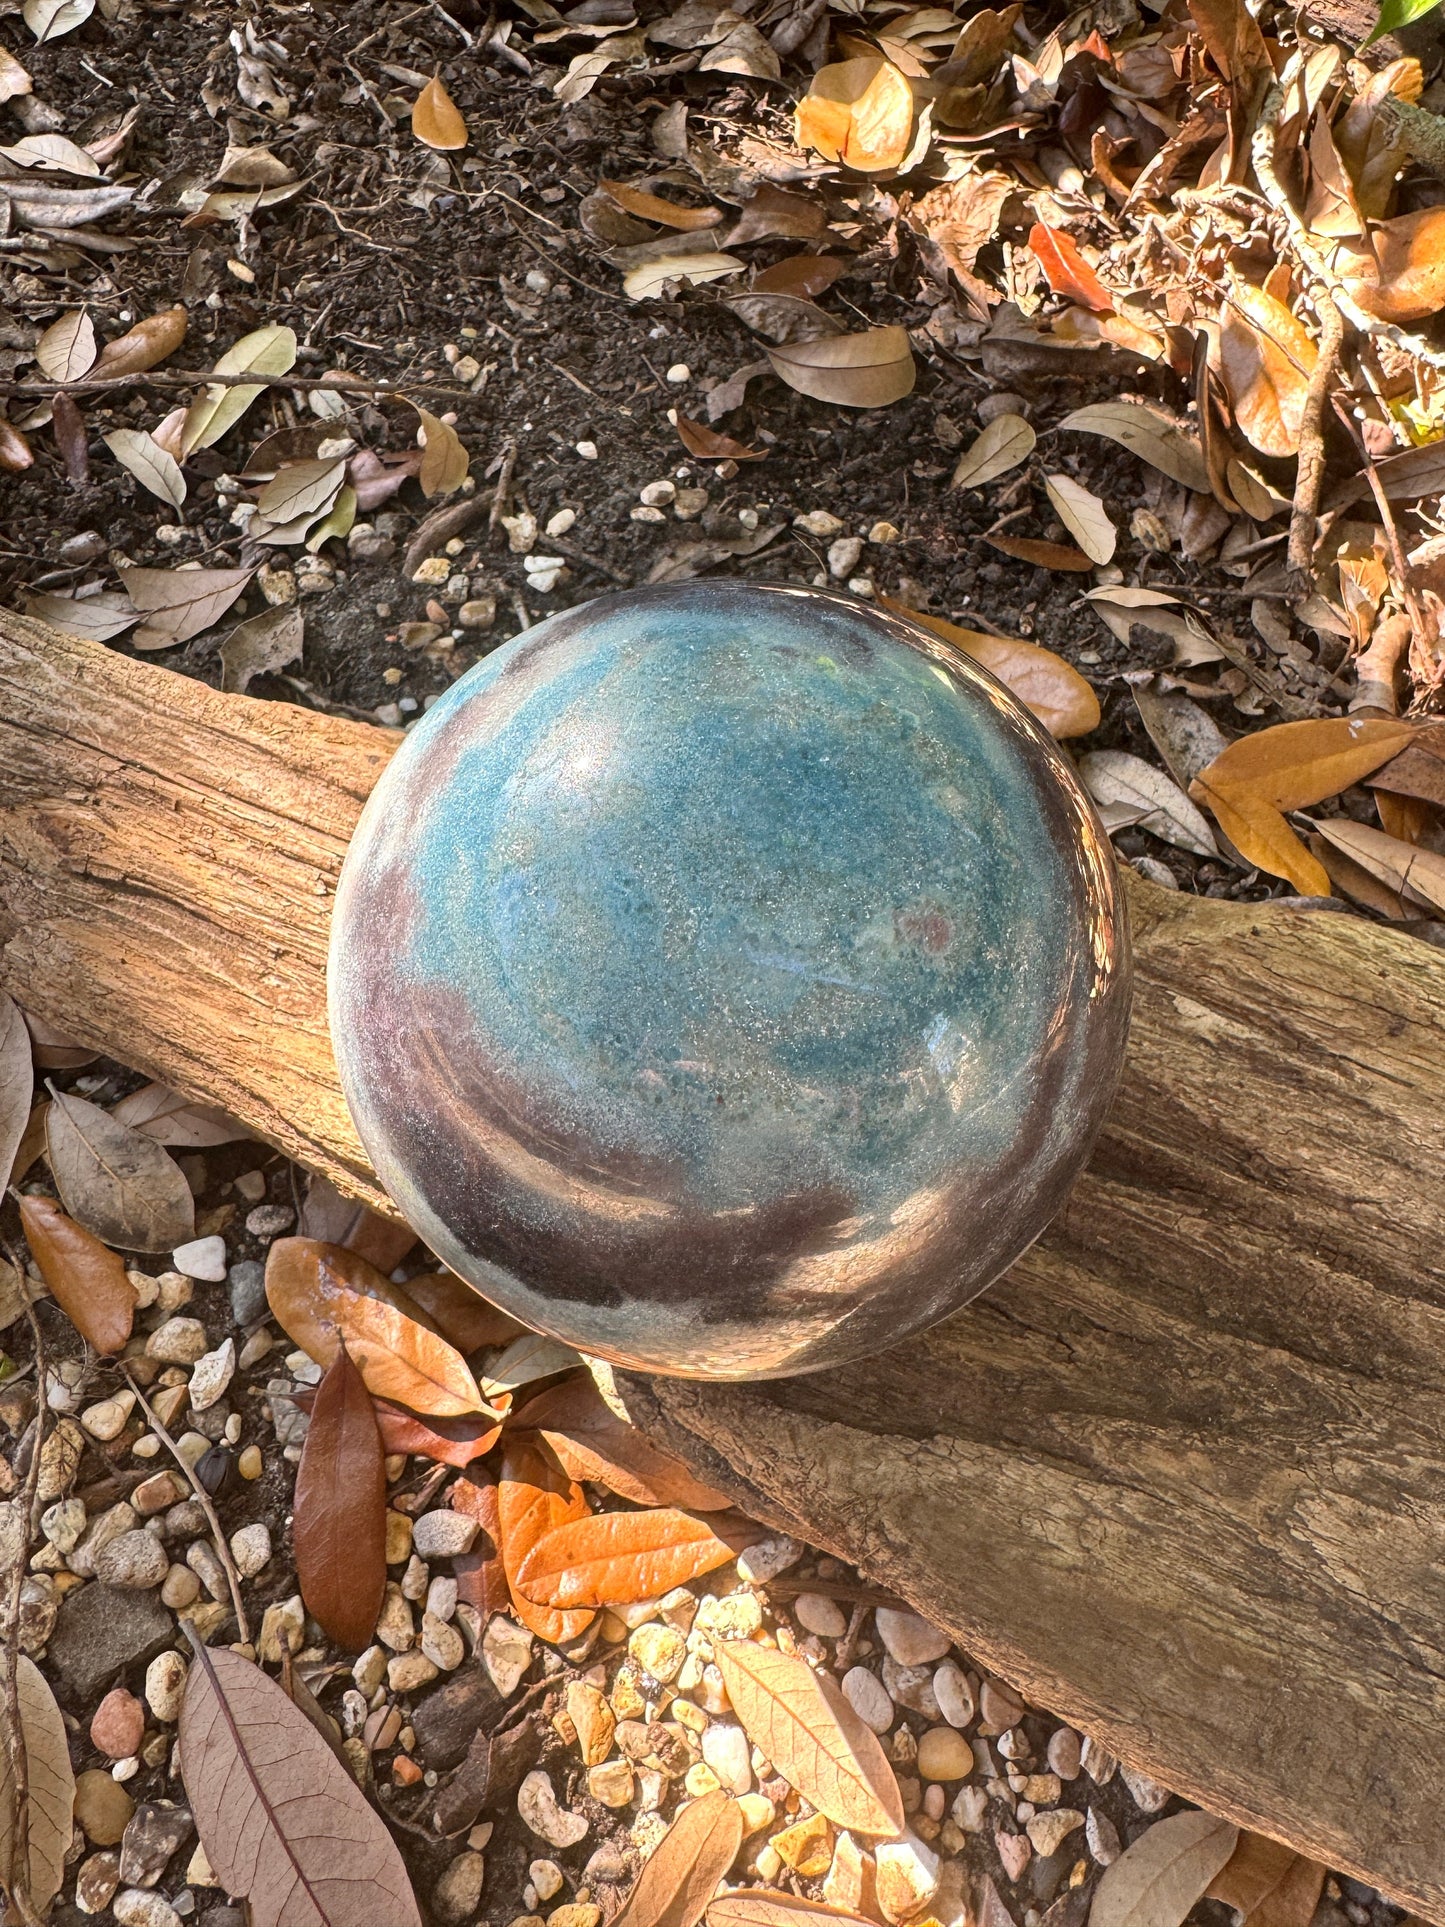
x=1066 y=269
x=593 y=1443
x=617 y=1558
x=1409 y=283
x=859 y=112
x=681 y=1874
x=1043 y=555
x=1266 y=358
x=708 y=445
x=1047 y=686
x=804 y=275
x=534 y=1497
x=87 y=1280
x=436 y=119
x=652 y=207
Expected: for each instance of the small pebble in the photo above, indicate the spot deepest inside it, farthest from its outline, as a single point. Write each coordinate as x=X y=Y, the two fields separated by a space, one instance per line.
x=816 y=1614
x=139 y=1907
x=249 y=1464
x=179 y=1341
x=506 y=1653
x=843 y=556
x=678 y=373
x=537 y=1805
x=769 y=1557
x=96 y=1882
x=134 y=1562
x=659 y=1650
x=166 y=1686
x=1014 y=1850
x=907 y=1876
x=117 y=1726
x=458 y=1893
x=251 y=1549
x=953 y=1693
x=868 y=1697
x=180 y=1588
x=212 y=1374
x=102 y=1808
x=908 y=1638
x=203 y=1258
x=546 y=1878
x=268 y=1221
x=612 y=1783
x=818 y=522
x=442 y=1643
x=63 y=1523
x=1048 y=1831
x=158 y=1494
x=944 y=1754
x=587 y=450
x=1103 y=1838
x=1000 y=1706
x=443 y=1534
x=1065 y=1753
x=106 y=1420
x=726 y=1750
x=406 y=1672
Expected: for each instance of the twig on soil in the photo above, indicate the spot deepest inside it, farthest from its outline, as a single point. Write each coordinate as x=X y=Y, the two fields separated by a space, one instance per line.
x=1304 y=519
x=223 y=1551
x=848 y=1644
x=593 y=562
x=503 y=488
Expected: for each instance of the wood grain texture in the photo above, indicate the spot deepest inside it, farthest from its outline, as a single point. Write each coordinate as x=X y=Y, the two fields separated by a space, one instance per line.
x=1181 y=1476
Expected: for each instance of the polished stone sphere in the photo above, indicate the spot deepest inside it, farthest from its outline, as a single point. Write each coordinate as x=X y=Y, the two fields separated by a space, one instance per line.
x=728 y=980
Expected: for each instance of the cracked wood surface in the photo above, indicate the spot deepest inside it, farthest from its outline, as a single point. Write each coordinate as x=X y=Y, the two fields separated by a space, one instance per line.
x=1180 y=1476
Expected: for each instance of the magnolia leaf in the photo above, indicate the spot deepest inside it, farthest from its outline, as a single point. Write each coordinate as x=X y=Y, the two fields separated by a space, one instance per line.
x=803 y=1724
x=338 y=1526
x=1066 y=270
x=151 y=466
x=772 y=213
x=1267 y=1884
x=116 y=1182
x=1156 y=1881
x=17 y=1084
x=859 y=112
x=649 y=277
x=764 y=1907
x=301 y=488
x=15 y=452
x=481 y=1573
x=534 y=1497
x=268 y=351
x=328 y=1218
x=278 y=1814
x=864 y=370
x=52 y=154
x=1113 y=777
x=531 y=1356
x=681 y=1874
x=86 y=1280
x=1043 y=555
x=1266 y=358
x=170 y=1118
x=444 y=461
x=325 y=1296
x=96 y=617
x=66 y=350
x=260 y=646
x=1182 y=730
x=51 y=1794
x=593 y=1443
x=1406 y=867
x=1051 y=689
x=804 y=275
x=652 y=207
x=618 y=1558
x=1004 y=443
x=782 y=317
x=1148 y=433
x=1404 y=279
x=1084 y=516
x=145 y=345
x=436 y=120
x=180 y=603
x=50 y=19
x=1293 y=765
x=461 y=1314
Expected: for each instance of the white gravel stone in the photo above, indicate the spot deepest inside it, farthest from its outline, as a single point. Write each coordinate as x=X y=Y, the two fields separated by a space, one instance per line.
x=843 y=556
x=457 y=1894
x=909 y=1638
x=370 y=1670
x=587 y=450
x=442 y=1643
x=179 y=1341
x=868 y=1697
x=1149 y=1795
x=911 y=1686
x=726 y=1750
x=203 y=1258
x=818 y=522
x=768 y=1558
x=135 y=1562
x=166 y=1686
x=656 y=495
x=816 y=1614
x=106 y=1420
x=441 y=1597
x=506 y=1654
x=251 y=1549
x=212 y=1374
x=546 y=1878
x=443 y=1534
x=1103 y=1838
x=907 y=1874
x=395 y=1628
x=953 y=1693
x=136 y=1907
x=407 y=1672
x=537 y=1804
x=969 y=1809
x=1050 y=1830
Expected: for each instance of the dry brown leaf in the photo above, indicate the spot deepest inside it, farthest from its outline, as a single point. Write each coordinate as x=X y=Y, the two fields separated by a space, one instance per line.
x=444 y=461
x=66 y=350
x=1418 y=770
x=1148 y=433
x=593 y=1443
x=683 y=1870
x=1405 y=867
x=708 y=445
x=98 y=617
x=87 y=1281
x=119 y=1184
x=1043 y=555
x=1143 y=795
x=14 y=80
x=481 y=1574
x=773 y=214
x=664 y=213
x=436 y=119
x=1004 y=443
x=1066 y=270
x=859 y=112
x=460 y=1313
x=15 y=452
x=803 y=1724
x=170 y=1118
x=281 y=1820
x=617 y=1558
x=338 y=1526
x=1263 y=838
x=803 y=275
x=762 y=1907
x=260 y=646
x=266 y=351
x=17 y=1084
x=323 y=1295
x=143 y=457
x=1266 y=358
x=1048 y=687
x=526 y=1359
x=1084 y=516
x=180 y=603
x=535 y=1496
x=864 y=370
x=649 y=278
x=1156 y=1881
x=51 y=1794
x=1409 y=282
x=145 y=345
x=1267 y=1884
x=334 y=1220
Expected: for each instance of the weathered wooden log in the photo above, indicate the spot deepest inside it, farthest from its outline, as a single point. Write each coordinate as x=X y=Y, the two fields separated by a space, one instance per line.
x=1180 y=1476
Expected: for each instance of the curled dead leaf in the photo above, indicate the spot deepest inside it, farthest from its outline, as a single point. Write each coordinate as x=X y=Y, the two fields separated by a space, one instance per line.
x=66 y=350
x=1084 y=516
x=50 y=1801
x=145 y=345
x=1004 y=443
x=859 y=112
x=534 y=1497
x=683 y=1870
x=664 y=213
x=1066 y=270
x=709 y=445
x=592 y=1442
x=436 y=120
x=444 y=461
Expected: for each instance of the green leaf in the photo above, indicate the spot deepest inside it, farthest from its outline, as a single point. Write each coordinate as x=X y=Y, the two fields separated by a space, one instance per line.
x=1398 y=13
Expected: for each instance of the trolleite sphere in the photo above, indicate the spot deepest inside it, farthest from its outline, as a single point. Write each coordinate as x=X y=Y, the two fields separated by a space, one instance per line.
x=728 y=980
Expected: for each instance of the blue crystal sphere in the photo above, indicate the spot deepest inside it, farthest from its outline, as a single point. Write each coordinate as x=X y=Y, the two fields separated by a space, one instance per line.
x=728 y=980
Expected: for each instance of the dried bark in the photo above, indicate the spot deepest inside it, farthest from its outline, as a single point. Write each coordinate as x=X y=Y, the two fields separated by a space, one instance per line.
x=1179 y=1476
